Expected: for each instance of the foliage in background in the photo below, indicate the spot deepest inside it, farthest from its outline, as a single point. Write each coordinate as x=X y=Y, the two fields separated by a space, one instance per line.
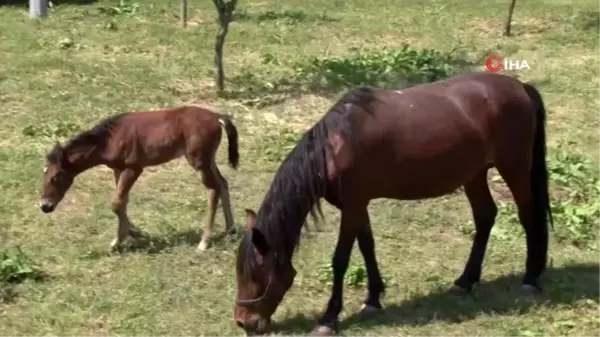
x=275 y=145
x=123 y=8
x=398 y=67
x=575 y=201
x=355 y=276
x=15 y=267
x=576 y=196
x=51 y=131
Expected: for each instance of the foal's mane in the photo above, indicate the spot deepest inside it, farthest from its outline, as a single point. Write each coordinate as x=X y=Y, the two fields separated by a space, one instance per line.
x=299 y=184
x=96 y=136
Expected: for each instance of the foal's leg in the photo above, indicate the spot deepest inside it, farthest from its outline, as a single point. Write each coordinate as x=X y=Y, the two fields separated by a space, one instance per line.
x=536 y=232
x=376 y=287
x=124 y=180
x=211 y=182
x=218 y=188
x=484 y=212
x=353 y=220
x=225 y=202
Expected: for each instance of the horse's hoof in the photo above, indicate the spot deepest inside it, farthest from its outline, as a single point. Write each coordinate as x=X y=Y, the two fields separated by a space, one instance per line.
x=368 y=310
x=231 y=231
x=322 y=330
x=202 y=246
x=458 y=290
x=135 y=233
x=530 y=289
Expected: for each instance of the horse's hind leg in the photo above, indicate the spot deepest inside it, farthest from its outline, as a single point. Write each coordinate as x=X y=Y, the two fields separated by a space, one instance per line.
x=124 y=180
x=484 y=212
x=218 y=188
x=376 y=287
x=518 y=179
x=225 y=202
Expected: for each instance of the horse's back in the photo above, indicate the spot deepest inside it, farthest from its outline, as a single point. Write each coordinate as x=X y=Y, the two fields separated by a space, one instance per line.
x=154 y=137
x=428 y=140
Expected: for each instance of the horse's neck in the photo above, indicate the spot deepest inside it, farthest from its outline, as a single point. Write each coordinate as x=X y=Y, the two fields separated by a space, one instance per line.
x=82 y=158
x=291 y=232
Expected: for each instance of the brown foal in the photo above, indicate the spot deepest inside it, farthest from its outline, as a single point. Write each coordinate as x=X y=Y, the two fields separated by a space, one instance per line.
x=129 y=142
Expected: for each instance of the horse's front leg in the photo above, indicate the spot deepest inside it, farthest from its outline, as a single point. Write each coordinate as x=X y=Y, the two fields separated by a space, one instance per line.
x=124 y=180
x=350 y=226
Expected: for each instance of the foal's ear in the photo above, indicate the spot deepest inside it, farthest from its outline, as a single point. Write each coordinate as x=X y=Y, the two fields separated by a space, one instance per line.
x=260 y=242
x=57 y=154
x=250 y=218
x=339 y=155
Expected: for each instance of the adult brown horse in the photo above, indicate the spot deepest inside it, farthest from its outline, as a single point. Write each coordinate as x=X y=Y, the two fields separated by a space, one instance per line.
x=416 y=143
x=127 y=143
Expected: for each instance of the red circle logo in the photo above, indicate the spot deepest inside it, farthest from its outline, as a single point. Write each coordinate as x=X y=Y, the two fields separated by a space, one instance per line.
x=494 y=63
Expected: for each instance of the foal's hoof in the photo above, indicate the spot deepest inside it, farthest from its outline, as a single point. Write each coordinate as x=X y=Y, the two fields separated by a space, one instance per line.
x=367 y=310
x=202 y=246
x=322 y=330
x=531 y=289
x=115 y=247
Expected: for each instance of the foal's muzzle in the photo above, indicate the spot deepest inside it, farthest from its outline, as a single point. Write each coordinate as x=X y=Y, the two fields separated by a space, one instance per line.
x=47 y=206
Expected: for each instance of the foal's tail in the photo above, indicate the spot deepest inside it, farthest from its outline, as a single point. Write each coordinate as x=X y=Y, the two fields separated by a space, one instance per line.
x=539 y=171
x=232 y=138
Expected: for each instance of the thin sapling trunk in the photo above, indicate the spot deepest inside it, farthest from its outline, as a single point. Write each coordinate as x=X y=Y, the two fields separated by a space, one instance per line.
x=225 y=11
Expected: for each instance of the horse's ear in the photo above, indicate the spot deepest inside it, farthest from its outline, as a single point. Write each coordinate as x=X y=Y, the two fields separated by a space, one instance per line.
x=57 y=154
x=58 y=149
x=260 y=242
x=339 y=155
x=62 y=156
x=250 y=218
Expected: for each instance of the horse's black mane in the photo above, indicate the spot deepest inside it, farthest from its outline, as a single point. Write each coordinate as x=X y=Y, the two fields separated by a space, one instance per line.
x=94 y=136
x=299 y=184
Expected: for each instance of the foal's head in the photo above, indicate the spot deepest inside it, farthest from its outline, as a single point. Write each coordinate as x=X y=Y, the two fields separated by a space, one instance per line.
x=57 y=179
x=263 y=279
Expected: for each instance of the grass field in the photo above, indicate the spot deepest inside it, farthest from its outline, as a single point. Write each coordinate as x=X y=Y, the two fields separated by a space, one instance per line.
x=86 y=62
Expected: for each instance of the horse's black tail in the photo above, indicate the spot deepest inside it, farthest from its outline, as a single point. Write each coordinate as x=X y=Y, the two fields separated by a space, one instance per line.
x=539 y=171
x=542 y=214
x=232 y=138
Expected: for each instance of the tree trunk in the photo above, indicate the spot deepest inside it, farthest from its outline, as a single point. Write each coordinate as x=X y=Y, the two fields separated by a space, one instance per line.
x=184 y=13
x=223 y=29
x=509 y=20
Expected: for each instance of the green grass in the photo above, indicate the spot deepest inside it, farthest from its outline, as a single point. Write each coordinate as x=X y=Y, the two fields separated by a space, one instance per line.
x=82 y=63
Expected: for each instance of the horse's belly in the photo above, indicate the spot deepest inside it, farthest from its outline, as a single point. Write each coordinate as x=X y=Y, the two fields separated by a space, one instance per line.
x=422 y=178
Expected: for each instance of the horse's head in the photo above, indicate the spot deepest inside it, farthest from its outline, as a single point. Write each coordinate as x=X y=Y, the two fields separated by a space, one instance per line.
x=57 y=179
x=263 y=280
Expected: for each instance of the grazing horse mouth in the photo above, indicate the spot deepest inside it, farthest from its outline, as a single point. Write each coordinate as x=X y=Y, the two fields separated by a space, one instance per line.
x=47 y=206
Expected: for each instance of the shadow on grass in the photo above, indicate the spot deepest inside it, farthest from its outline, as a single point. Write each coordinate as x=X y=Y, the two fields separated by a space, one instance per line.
x=55 y=2
x=588 y=20
x=154 y=244
x=290 y=15
x=502 y=296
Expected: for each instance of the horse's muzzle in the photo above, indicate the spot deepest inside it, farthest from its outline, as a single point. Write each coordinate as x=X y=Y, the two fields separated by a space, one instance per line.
x=254 y=327
x=47 y=206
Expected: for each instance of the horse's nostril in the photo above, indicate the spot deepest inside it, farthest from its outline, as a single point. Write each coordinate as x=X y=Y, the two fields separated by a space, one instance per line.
x=47 y=208
x=240 y=324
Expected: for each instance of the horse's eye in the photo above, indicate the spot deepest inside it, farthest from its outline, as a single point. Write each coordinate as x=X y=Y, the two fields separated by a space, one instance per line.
x=55 y=179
